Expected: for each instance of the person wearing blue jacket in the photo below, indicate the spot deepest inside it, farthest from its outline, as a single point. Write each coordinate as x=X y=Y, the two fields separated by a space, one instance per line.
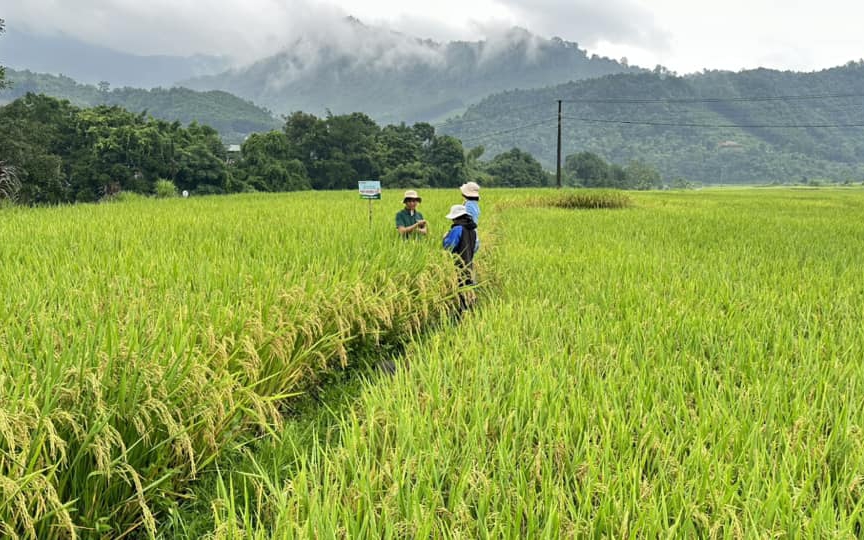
x=471 y=193
x=461 y=240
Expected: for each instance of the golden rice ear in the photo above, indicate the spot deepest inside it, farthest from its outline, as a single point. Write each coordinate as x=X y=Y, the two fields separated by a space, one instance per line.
x=156 y=385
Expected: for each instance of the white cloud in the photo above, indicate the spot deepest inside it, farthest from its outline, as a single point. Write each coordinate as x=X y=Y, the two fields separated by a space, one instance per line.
x=587 y=21
x=684 y=35
x=244 y=29
x=744 y=34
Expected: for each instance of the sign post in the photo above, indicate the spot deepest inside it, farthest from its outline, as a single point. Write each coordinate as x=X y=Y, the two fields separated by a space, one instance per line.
x=370 y=189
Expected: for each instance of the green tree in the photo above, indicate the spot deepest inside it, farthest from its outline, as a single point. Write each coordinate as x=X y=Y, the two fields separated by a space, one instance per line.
x=413 y=174
x=352 y=143
x=475 y=169
x=588 y=169
x=43 y=179
x=617 y=176
x=201 y=171
x=517 y=169
x=268 y=164
x=338 y=151
x=36 y=133
x=446 y=158
x=124 y=151
x=641 y=175
x=63 y=153
x=308 y=142
x=425 y=133
x=397 y=146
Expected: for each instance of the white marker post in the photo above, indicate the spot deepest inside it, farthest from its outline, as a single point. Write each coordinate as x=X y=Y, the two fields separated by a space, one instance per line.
x=370 y=189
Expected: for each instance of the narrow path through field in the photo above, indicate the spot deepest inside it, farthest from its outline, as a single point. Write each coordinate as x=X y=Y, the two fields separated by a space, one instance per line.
x=312 y=430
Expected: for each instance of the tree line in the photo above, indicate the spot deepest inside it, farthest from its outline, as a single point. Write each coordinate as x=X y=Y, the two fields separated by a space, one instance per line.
x=62 y=153
x=587 y=169
x=52 y=151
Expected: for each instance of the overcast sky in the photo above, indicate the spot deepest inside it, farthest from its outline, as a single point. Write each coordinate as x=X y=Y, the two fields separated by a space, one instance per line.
x=683 y=35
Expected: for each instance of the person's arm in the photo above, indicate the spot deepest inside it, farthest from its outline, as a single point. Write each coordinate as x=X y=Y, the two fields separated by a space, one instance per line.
x=419 y=227
x=451 y=240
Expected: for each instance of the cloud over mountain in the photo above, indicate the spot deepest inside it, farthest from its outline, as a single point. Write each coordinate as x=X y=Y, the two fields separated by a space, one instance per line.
x=395 y=77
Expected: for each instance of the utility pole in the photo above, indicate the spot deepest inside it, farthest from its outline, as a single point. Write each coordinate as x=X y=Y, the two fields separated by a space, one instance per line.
x=558 y=172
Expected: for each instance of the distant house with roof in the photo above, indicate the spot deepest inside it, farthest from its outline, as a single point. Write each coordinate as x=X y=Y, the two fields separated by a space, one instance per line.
x=234 y=153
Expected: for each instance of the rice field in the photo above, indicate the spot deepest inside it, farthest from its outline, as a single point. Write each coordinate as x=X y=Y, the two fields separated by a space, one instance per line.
x=686 y=366
x=140 y=342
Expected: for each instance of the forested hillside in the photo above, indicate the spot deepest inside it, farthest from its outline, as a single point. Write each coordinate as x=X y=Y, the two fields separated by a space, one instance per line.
x=394 y=78
x=232 y=117
x=715 y=127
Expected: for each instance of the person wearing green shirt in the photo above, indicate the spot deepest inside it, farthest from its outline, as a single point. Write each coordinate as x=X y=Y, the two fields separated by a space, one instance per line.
x=410 y=222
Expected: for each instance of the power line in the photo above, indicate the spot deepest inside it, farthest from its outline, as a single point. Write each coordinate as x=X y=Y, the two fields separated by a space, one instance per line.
x=450 y=123
x=715 y=99
x=689 y=124
x=739 y=99
x=505 y=131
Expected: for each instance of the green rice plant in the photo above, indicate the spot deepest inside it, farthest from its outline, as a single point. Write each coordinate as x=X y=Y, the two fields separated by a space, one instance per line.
x=123 y=197
x=687 y=368
x=569 y=199
x=141 y=344
x=603 y=199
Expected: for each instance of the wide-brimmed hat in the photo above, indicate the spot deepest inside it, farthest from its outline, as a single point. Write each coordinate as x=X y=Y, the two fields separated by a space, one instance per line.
x=470 y=189
x=457 y=210
x=411 y=195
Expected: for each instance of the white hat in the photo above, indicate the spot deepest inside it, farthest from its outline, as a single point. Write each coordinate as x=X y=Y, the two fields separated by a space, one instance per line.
x=457 y=210
x=470 y=189
x=411 y=195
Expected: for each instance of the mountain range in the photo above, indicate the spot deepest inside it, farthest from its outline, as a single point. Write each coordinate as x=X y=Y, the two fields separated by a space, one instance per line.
x=395 y=78
x=60 y=54
x=390 y=76
x=232 y=117
x=754 y=126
